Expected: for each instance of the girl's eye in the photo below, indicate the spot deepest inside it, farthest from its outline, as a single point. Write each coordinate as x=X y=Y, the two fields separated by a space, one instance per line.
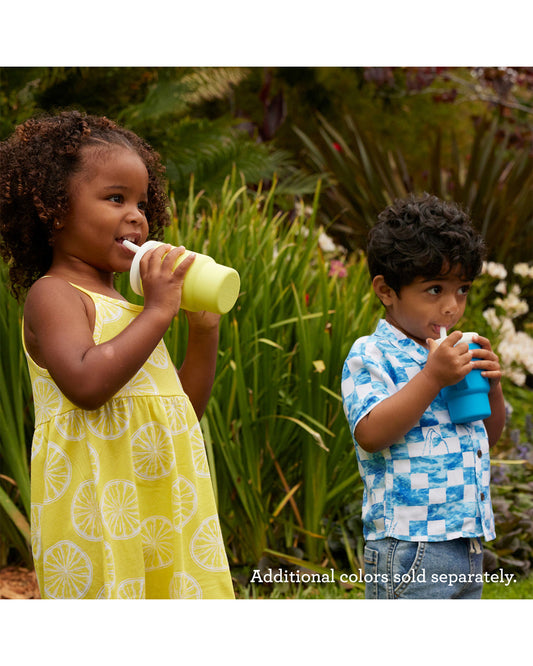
x=142 y=205
x=116 y=198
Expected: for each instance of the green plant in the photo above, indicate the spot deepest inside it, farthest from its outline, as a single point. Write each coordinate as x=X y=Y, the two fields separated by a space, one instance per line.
x=15 y=428
x=281 y=452
x=493 y=182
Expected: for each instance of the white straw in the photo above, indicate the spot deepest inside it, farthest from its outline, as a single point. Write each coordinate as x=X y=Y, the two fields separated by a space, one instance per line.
x=442 y=329
x=131 y=246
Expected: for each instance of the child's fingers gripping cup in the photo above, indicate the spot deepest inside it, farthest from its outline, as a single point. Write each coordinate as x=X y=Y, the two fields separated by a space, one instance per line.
x=207 y=285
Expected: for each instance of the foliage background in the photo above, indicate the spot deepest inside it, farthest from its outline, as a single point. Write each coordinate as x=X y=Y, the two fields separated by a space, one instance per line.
x=290 y=167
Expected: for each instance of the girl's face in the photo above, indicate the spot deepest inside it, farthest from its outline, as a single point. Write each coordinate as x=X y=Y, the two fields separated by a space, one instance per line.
x=108 y=199
x=427 y=304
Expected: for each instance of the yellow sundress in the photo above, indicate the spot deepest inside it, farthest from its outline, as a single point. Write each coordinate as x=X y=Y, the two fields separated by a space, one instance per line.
x=122 y=504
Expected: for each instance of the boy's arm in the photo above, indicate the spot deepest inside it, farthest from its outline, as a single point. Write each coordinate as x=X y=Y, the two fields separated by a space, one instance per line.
x=487 y=361
x=392 y=418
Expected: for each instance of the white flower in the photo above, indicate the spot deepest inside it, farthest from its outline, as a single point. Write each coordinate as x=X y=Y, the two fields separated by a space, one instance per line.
x=492 y=318
x=512 y=305
x=326 y=243
x=501 y=287
x=494 y=269
x=524 y=270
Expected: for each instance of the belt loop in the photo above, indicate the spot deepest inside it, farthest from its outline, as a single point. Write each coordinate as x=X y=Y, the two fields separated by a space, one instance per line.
x=475 y=547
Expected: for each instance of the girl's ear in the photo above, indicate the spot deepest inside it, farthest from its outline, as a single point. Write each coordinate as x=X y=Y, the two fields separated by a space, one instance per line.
x=382 y=290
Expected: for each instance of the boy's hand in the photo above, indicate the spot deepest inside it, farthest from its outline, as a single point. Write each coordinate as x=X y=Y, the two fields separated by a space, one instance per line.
x=448 y=362
x=487 y=361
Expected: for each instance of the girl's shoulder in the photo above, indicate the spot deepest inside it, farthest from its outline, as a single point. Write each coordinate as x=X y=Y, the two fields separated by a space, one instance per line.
x=51 y=292
x=53 y=304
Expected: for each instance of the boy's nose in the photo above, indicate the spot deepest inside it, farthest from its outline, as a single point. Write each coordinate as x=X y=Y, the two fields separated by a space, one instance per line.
x=450 y=306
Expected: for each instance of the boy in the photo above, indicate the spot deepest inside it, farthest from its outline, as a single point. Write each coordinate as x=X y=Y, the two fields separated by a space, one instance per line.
x=426 y=499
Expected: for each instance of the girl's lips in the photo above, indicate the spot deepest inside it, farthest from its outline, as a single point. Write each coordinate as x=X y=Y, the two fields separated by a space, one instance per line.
x=127 y=252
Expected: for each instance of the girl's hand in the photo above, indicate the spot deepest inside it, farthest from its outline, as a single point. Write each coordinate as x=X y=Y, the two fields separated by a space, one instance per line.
x=488 y=362
x=448 y=362
x=162 y=285
x=203 y=321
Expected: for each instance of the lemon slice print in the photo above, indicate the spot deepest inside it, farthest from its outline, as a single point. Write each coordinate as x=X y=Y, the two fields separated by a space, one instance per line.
x=57 y=473
x=184 y=586
x=95 y=462
x=207 y=547
x=85 y=512
x=152 y=451
x=184 y=502
x=67 y=571
x=109 y=573
x=71 y=425
x=159 y=357
x=105 y=314
x=120 y=513
x=37 y=442
x=35 y=522
x=177 y=415
x=131 y=588
x=199 y=456
x=158 y=543
x=140 y=384
x=47 y=399
x=111 y=420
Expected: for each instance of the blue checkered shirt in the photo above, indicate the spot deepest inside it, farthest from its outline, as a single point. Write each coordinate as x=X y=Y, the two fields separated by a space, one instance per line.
x=431 y=485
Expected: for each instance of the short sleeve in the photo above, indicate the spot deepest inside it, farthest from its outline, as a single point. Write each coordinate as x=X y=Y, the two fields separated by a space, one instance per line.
x=365 y=383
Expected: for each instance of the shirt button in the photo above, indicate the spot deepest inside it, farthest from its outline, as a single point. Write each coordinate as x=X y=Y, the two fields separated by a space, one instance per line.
x=482 y=496
x=479 y=454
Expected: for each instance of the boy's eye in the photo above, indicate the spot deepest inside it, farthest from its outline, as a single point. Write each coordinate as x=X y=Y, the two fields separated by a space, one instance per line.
x=436 y=289
x=142 y=205
x=464 y=289
x=116 y=198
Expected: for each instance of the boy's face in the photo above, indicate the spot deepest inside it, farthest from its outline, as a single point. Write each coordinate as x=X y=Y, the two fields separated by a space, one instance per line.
x=425 y=305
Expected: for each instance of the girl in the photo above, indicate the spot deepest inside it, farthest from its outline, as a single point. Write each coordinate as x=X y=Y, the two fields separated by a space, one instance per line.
x=122 y=503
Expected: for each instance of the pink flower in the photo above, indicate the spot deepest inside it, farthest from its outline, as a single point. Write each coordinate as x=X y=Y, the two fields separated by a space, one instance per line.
x=337 y=147
x=337 y=269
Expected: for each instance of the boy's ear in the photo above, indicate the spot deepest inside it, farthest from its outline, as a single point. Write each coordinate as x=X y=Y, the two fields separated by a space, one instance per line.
x=382 y=290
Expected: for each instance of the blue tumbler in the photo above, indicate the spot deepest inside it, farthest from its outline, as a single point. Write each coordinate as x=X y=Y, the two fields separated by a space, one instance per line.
x=468 y=400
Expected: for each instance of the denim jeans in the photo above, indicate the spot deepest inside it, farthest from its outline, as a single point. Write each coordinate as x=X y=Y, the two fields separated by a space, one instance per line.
x=397 y=569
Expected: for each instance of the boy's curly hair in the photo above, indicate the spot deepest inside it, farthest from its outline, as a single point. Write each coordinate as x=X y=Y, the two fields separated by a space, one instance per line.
x=36 y=164
x=423 y=236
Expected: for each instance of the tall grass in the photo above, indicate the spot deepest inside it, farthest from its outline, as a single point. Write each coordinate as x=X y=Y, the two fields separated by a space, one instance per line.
x=280 y=449
x=16 y=420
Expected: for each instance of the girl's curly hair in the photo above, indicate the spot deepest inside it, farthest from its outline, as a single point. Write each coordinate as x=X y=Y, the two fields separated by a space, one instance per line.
x=36 y=164
x=423 y=236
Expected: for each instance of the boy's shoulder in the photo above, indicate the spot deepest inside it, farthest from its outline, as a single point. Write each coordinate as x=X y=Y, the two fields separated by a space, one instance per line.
x=382 y=338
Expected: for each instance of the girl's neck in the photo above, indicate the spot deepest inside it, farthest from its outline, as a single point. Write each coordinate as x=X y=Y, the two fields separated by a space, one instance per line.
x=86 y=276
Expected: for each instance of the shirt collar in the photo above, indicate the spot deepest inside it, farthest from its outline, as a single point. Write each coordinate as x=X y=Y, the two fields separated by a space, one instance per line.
x=399 y=340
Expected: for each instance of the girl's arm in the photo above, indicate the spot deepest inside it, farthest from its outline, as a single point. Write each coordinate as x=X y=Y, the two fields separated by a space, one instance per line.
x=57 y=320
x=197 y=372
x=392 y=418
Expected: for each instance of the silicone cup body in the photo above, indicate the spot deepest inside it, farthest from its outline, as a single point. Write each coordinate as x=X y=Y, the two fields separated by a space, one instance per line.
x=468 y=400
x=207 y=285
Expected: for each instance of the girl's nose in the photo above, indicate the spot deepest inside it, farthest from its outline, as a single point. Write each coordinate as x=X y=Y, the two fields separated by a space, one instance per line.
x=135 y=215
